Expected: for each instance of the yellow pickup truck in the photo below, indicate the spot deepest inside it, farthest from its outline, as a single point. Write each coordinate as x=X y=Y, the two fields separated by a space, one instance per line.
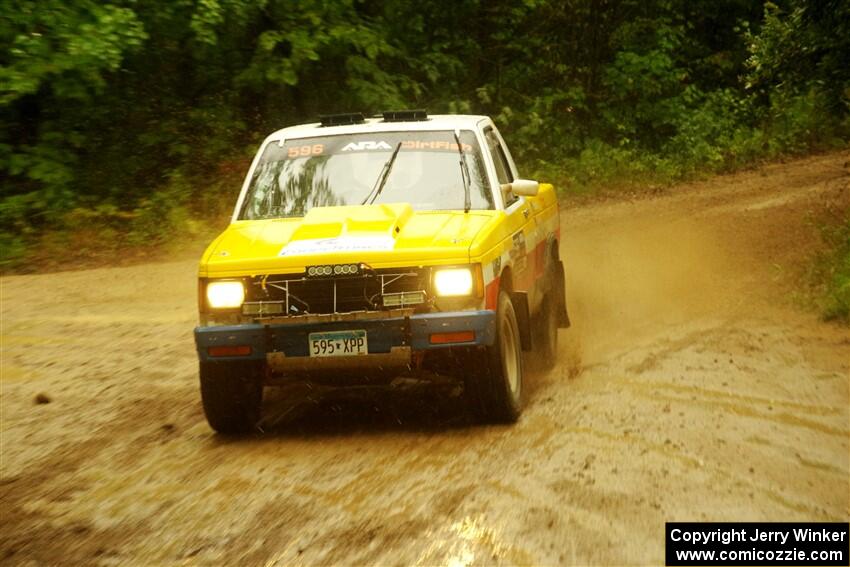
x=364 y=249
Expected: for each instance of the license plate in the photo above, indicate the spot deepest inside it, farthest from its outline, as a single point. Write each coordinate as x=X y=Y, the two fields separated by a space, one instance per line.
x=338 y=343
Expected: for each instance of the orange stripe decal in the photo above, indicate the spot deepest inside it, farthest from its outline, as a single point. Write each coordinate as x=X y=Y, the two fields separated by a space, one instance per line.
x=539 y=259
x=491 y=294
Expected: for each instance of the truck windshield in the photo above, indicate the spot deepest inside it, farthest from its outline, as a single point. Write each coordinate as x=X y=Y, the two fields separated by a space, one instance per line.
x=327 y=171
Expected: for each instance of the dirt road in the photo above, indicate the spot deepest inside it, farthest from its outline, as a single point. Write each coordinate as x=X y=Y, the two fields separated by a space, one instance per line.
x=702 y=394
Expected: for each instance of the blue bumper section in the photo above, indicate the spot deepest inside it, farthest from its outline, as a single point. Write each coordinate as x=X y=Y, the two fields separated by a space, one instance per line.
x=382 y=334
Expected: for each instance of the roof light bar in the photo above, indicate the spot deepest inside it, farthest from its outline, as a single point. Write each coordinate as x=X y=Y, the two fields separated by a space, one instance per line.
x=415 y=115
x=342 y=119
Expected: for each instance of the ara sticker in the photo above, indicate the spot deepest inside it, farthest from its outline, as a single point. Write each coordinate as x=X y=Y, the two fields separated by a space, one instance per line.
x=338 y=244
x=366 y=145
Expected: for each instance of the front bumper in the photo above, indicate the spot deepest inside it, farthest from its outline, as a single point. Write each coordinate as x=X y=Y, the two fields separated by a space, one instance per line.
x=392 y=341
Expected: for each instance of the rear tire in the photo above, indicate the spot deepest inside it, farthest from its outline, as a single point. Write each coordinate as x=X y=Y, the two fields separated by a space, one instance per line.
x=232 y=395
x=493 y=380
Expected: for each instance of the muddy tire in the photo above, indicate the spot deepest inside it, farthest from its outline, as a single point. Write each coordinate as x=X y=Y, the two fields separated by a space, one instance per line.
x=232 y=395
x=493 y=378
x=545 y=328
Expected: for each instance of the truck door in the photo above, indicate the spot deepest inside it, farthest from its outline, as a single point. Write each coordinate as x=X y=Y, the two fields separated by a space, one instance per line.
x=520 y=219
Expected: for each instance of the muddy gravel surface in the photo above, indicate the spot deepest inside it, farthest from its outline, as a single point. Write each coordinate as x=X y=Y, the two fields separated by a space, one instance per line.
x=692 y=386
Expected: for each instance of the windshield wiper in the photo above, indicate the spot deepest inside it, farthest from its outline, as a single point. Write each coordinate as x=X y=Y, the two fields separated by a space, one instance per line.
x=464 y=173
x=382 y=178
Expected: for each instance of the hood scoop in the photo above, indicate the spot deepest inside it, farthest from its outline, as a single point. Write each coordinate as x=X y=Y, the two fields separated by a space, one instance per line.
x=324 y=222
x=348 y=229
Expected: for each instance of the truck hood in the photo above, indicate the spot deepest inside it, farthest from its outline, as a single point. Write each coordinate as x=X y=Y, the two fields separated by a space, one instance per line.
x=384 y=235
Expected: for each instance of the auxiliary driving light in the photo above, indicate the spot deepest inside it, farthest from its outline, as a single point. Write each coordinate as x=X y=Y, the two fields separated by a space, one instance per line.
x=335 y=270
x=404 y=298
x=453 y=282
x=225 y=294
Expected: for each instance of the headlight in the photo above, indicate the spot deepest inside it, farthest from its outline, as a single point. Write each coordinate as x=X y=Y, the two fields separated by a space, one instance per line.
x=225 y=295
x=455 y=281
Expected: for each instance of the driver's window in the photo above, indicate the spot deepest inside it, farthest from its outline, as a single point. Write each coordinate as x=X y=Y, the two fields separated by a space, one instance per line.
x=503 y=170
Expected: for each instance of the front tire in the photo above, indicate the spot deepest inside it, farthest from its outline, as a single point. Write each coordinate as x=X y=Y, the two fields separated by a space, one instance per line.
x=494 y=380
x=232 y=395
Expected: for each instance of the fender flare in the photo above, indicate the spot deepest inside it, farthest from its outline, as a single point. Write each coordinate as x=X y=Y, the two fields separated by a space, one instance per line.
x=523 y=317
x=560 y=289
x=558 y=282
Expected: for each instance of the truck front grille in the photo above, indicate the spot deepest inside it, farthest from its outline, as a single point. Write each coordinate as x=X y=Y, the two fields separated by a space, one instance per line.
x=294 y=294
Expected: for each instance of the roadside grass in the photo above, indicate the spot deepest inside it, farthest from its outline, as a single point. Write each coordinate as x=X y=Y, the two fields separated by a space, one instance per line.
x=717 y=136
x=90 y=238
x=41 y=231
x=830 y=272
x=175 y=221
x=169 y=225
x=96 y=246
x=603 y=170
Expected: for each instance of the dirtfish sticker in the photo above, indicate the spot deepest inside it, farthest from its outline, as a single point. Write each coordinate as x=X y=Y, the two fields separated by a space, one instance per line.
x=338 y=244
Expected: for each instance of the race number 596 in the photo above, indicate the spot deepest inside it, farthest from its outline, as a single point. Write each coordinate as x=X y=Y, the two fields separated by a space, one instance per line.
x=306 y=151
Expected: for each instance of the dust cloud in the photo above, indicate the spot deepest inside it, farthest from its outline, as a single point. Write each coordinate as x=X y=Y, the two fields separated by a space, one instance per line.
x=690 y=388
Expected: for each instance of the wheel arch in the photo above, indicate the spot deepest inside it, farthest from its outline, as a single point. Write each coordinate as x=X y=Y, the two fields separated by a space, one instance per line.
x=506 y=279
x=552 y=257
x=519 y=299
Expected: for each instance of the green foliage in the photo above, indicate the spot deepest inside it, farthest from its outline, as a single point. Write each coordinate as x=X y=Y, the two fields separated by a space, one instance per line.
x=835 y=271
x=65 y=47
x=136 y=117
x=12 y=248
x=807 y=43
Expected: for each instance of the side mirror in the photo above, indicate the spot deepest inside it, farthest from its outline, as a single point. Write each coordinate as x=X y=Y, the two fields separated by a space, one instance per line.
x=522 y=187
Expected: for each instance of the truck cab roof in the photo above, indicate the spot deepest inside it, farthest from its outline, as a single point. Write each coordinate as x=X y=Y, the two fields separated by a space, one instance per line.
x=379 y=124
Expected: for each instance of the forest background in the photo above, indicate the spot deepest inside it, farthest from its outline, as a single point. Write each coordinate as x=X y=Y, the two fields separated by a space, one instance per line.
x=131 y=123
